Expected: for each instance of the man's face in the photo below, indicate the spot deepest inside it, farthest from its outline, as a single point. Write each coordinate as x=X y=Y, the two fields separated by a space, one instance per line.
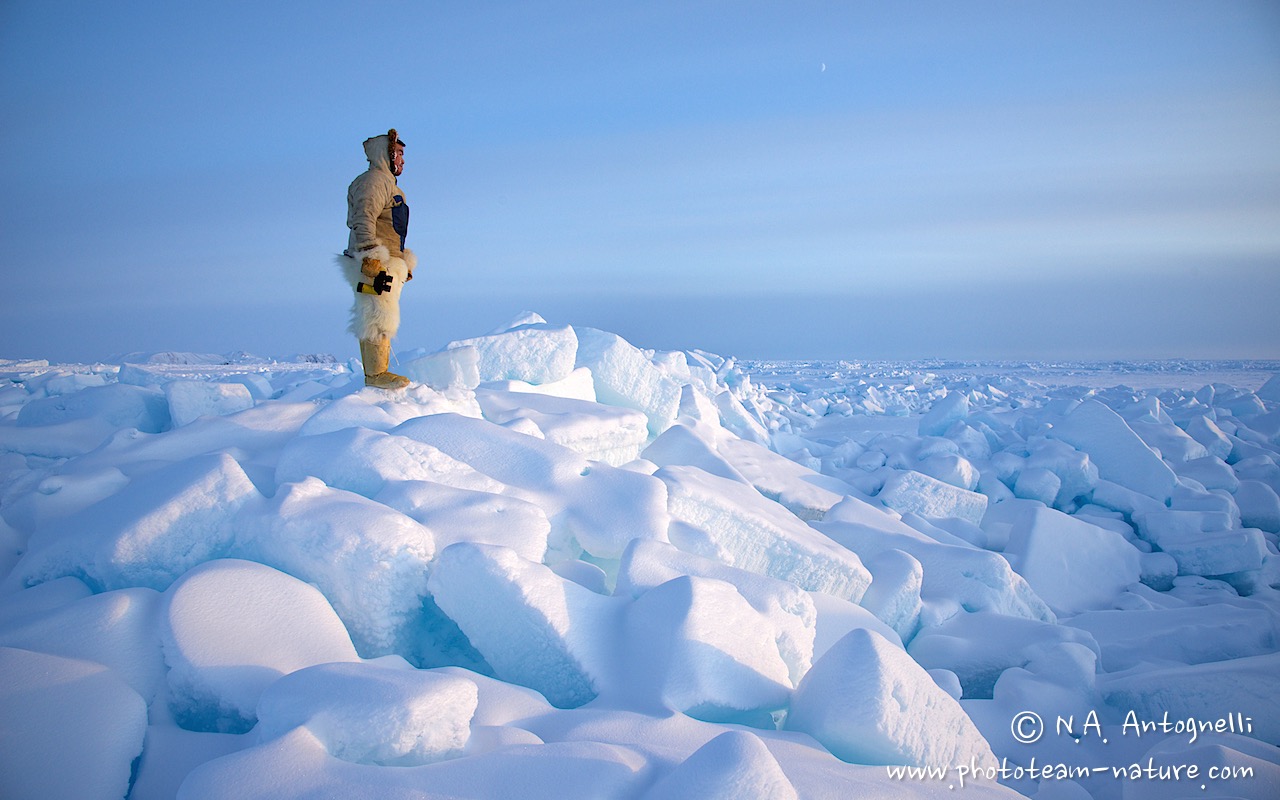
x=397 y=160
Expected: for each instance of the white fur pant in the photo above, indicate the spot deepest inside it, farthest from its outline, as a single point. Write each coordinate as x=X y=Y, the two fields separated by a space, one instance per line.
x=376 y=315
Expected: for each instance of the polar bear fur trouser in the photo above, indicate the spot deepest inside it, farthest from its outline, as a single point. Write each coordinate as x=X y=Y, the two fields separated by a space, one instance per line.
x=374 y=316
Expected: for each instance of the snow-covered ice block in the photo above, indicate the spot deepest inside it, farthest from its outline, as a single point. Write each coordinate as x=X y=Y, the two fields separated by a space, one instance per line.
x=1190 y=496
x=697 y=646
x=802 y=491
x=70 y=729
x=1120 y=454
x=578 y=386
x=117 y=404
x=971 y=442
x=370 y=561
x=868 y=702
x=534 y=353
x=951 y=468
x=736 y=417
x=599 y=432
x=1115 y=497
x=1210 y=472
x=977 y=580
x=147 y=534
x=1259 y=505
x=1077 y=474
x=1037 y=483
x=626 y=376
x=788 y=611
x=696 y=405
x=691 y=446
x=456 y=515
x=230 y=628
x=1158 y=570
x=457 y=367
x=950 y=408
x=190 y=400
x=894 y=594
x=1173 y=444
x=1210 y=436
x=1206 y=692
x=1203 y=542
x=911 y=491
x=364 y=461
x=116 y=629
x=533 y=627
x=369 y=713
x=979 y=647
x=1240 y=403
x=258 y=385
x=732 y=766
x=736 y=525
x=1176 y=636
x=591 y=505
x=1270 y=390
x=1072 y=565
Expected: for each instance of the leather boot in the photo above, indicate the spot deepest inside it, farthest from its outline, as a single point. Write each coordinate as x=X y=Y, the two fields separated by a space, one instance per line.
x=375 y=355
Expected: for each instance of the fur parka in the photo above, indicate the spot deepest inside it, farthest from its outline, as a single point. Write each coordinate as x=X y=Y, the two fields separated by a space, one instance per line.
x=377 y=210
x=377 y=217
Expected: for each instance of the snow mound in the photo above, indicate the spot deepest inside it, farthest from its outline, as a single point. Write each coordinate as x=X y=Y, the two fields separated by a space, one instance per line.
x=534 y=353
x=733 y=765
x=150 y=532
x=788 y=612
x=230 y=629
x=90 y=728
x=370 y=561
x=190 y=400
x=367 y=713
x=706 y=652
x=868 y=702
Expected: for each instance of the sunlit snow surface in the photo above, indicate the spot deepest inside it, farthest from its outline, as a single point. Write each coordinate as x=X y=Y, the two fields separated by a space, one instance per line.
x=563 y=566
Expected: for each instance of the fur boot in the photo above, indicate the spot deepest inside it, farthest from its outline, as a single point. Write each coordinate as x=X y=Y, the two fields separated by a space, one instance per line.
x=376 y=354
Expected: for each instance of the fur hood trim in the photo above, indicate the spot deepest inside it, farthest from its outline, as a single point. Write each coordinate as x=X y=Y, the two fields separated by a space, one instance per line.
x=378 y=149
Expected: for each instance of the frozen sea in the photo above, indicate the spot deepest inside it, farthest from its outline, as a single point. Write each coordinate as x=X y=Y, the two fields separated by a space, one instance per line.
x=560 y=565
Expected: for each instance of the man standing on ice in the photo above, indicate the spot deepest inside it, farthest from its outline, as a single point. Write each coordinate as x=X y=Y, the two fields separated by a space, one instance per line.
x=376 y=263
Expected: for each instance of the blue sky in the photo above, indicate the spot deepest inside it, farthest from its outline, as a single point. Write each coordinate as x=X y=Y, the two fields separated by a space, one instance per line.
x=778 y=180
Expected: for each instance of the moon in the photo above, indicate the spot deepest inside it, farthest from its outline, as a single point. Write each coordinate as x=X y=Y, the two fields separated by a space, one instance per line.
x=824 y=66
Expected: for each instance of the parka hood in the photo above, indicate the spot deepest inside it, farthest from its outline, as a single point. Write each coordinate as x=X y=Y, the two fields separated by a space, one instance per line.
x=378 y=149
